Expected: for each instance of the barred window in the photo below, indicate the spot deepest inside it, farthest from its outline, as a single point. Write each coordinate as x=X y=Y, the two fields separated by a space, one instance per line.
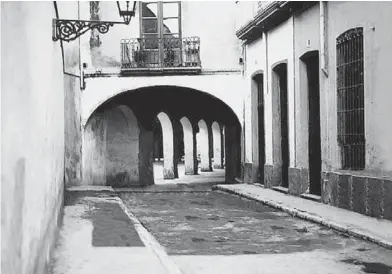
x=350 y=99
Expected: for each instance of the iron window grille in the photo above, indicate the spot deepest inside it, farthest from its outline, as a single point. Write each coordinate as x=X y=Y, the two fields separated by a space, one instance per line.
x=350 y=98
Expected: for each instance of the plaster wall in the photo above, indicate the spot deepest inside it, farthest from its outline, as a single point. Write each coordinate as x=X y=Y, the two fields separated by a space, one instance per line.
x=255 y=64
x=280 y=49
x=33 y=90
x=307 y=39
x=122 y=148
x=220 y=49
x=72 y=104
x=225 y=87
x=111 y=148
x=94 y=150
x=375 y=20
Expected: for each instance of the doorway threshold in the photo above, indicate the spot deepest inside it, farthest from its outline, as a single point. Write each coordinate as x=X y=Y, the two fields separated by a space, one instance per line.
x=282 y=189
x=311 y=197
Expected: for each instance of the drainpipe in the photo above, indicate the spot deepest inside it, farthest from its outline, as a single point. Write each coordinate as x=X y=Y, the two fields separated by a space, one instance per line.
x=324 y=68
x=267 y=84
x=295 y=101
x=323 y=40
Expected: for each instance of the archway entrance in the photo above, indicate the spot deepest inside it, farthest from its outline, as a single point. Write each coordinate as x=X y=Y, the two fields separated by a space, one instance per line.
x=281 y=138
x=258 y=132
x=168 y=119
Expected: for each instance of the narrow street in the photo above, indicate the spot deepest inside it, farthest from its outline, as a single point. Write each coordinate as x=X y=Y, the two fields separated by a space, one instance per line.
x=188 y=227
x=205 y=231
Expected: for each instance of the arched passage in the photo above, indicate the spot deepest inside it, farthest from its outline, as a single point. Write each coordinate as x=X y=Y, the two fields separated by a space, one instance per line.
x=168 y=146
x=148 y=103
x=189 y=149
x=204 y=147
x=217 y=145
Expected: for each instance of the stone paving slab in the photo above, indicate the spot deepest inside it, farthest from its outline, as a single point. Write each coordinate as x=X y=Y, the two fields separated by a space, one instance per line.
x=97 y=236
x=352 y=223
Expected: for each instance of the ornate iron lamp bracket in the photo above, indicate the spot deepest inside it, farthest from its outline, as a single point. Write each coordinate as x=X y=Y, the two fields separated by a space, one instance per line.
x=69 y=30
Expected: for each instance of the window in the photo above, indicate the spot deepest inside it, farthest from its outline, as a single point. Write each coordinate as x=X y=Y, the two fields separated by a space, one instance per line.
x=350 y=99
x=160 y=30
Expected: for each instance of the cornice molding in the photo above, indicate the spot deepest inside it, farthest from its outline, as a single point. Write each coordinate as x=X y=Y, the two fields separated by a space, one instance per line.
x=271 y=16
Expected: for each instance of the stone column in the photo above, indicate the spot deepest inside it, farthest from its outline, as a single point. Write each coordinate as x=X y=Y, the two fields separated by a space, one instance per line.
x=146 y=168
x=168 y=146
x=216 y=131
x=188 y=146
x=203 y=145
x=94 y=151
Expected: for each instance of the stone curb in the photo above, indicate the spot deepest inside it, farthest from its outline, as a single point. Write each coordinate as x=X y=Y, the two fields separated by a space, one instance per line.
x=90 y=188
x=149 y=240
x=162 y=191
x=310 y=217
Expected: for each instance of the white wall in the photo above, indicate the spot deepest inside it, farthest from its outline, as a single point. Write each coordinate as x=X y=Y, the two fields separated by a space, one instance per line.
x=255 y=63
x=377 y=70
x=219 y=47
x=227 y=88
x=32 y=124
x=280 y=47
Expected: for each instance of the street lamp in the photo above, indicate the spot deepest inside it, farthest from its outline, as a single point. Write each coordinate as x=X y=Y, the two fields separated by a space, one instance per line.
x=69 y=30
x=125 y=12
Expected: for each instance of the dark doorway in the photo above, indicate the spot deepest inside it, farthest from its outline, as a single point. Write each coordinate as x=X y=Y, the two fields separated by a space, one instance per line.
x=260 y=120
x=314 y=145
x=281 y=71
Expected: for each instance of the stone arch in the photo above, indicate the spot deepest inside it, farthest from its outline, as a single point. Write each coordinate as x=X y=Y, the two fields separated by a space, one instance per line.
x=168 y=146
x=189 y=147
x=146 y=112
x=217 y=145
x=109 y=89
x=204 y=146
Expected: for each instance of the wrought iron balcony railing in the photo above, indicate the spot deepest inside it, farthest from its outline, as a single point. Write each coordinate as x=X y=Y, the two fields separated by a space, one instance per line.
x=160 y=53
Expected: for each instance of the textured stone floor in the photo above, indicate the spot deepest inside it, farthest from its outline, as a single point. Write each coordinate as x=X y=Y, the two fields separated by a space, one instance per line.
x=201 y=231
x=98 y=237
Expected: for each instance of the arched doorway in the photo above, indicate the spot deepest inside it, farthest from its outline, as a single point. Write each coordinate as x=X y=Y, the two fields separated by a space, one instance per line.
x=281 y=154
x=311 y=61
x=258 y=128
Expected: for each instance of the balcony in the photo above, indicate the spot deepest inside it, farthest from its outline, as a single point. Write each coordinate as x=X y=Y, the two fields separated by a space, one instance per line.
x=170 y=55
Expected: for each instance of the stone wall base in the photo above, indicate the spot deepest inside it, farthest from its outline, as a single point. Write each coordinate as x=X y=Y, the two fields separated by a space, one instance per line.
x=272 y=176
x=251 y=173
x=365 y=195
x=298 y=181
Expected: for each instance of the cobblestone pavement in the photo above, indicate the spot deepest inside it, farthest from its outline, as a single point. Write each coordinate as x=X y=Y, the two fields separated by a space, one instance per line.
x=212 y=232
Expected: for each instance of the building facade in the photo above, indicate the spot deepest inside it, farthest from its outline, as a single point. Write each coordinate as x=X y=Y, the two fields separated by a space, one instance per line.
x=173 y=80
x=316 y=78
